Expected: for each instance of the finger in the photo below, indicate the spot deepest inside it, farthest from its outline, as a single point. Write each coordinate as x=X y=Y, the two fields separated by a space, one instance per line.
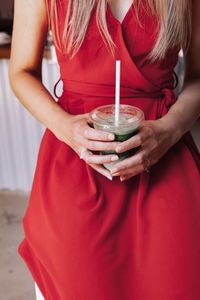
x=135 y=141
x=101 y=146
x=91 y=158
x=126 y=177
x=133 y=161
x=131 y=171
x=101 y=170
x=98 y=135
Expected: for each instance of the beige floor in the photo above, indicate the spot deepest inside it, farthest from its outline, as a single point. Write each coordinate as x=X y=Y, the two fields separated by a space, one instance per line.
x=16 y=282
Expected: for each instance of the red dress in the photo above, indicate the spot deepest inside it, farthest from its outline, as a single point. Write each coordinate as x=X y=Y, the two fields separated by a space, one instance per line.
x=89 y=238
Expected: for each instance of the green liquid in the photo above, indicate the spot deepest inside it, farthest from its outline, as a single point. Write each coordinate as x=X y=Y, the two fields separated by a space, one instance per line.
x=121 y=138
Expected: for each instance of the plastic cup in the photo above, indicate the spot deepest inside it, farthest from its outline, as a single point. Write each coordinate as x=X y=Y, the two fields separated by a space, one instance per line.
x=103 y=118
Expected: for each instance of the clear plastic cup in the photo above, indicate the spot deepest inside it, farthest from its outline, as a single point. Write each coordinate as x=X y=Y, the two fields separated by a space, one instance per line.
x=103 y=118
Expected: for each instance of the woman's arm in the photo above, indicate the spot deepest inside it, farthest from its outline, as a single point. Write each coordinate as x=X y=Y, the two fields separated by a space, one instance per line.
x=185 y=112
x=157 y=136
x=28 y=39
x=29 y=35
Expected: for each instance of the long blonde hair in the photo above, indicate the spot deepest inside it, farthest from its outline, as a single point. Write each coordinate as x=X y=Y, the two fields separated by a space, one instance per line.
x=173 y=19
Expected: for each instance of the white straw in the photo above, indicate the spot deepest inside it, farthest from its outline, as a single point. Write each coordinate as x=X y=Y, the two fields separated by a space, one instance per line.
x=117 y=92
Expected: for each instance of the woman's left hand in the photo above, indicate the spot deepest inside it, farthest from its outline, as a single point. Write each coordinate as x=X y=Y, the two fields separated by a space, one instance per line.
x=155 y=138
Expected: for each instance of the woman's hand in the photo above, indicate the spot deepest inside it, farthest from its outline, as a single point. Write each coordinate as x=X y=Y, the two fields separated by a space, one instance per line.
x=155 y=138
x=85 y=140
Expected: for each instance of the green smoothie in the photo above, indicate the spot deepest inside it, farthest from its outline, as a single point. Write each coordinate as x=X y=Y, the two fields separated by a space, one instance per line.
x=103 y=118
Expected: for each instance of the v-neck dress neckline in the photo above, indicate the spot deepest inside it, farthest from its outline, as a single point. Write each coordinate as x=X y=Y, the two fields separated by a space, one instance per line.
x=125 y=19
x=123 y=51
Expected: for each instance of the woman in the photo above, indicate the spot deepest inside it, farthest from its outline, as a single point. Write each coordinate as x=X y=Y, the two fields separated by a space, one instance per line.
x=135 y=236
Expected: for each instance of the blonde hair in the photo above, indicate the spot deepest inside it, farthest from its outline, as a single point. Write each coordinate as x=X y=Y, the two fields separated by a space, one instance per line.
x=173 y=24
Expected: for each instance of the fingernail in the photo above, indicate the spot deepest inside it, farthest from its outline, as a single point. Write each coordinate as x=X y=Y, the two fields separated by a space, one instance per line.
x=118 y=149
x=111 y=136
x=122 y=178
x=109 y=177
x=114 y=158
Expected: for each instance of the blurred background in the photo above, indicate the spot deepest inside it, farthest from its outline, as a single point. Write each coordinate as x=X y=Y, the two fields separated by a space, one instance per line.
x=20 y=136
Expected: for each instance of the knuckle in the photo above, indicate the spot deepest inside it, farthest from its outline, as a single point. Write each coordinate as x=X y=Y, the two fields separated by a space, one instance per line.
x=91 y=145
x=139 y=140
x=148 y=132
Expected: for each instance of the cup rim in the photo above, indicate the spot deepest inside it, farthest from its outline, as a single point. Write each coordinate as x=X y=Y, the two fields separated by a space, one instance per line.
x=140 y=117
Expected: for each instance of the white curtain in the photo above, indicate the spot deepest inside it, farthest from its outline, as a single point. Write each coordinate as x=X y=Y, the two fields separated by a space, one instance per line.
x=20 y=132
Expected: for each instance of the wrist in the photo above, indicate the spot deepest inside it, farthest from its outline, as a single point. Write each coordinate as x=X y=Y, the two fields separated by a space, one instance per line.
x=60 y=125
x=172 y=124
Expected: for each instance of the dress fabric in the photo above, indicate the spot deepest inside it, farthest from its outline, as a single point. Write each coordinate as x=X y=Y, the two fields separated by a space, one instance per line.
x=89 y=238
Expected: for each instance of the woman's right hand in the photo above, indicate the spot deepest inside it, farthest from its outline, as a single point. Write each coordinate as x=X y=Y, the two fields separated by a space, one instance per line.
x=84 y=139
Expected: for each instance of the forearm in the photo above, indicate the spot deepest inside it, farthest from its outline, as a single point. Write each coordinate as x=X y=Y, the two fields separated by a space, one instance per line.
x=38 y=101
x=185 y=112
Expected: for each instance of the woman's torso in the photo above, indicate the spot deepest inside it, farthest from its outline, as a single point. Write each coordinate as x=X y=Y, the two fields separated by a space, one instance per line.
x=89 y=77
